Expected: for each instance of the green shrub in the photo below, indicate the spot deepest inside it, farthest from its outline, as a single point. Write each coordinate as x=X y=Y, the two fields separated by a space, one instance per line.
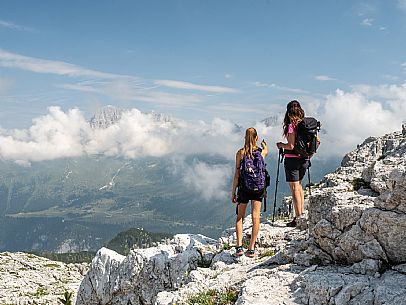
x=68 y=298
x=226 y=246
x=41 y=291
x=267 y=253
x=78 y=257
x=358 y=183
x=213 y=297
x=51 y=265
x=203 y=264
x=315 y=261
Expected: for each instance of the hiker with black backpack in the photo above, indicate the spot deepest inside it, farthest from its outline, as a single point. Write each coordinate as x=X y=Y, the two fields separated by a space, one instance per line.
x=301 y=134
x=250 y=179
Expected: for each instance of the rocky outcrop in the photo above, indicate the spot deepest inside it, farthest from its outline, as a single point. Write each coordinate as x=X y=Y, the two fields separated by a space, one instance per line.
x=137 y=278
x=171 y=273
x=349 y=250
x=269 y=279
x=359 y=211
x=29 y=279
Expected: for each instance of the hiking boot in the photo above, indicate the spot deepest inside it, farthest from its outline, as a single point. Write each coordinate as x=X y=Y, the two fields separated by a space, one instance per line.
x=239 y=251
x=292 y=223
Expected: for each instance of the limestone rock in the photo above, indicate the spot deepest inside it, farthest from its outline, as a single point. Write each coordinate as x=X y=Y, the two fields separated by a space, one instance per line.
x=27 y=278
x=137 y=278
x=351 y=224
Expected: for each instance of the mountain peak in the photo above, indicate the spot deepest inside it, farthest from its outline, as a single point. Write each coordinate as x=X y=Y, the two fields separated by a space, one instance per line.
x=271 y=121
x=160 y=117
x=106 y=116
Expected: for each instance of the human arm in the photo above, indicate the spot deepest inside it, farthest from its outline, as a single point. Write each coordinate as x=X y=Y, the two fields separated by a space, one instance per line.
x=291 y=137
x=291 y=142
x=264 y=151
x=236 y=176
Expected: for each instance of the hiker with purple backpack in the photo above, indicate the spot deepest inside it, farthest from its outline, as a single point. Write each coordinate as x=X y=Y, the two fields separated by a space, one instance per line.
x=249 y=178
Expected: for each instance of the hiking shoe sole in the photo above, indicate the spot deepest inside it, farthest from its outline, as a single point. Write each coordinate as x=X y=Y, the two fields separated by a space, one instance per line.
x=239 y=251
x=251 y=253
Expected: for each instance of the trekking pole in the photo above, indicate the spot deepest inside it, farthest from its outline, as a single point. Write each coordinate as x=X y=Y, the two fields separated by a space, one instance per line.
x=280 y=160
x=308 y=175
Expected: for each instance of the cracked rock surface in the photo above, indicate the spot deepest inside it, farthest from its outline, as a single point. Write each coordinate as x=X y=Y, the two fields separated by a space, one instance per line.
x=350 y=225
x=29 y=279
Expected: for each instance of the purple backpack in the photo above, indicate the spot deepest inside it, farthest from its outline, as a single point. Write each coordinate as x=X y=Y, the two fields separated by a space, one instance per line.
x=252 y=171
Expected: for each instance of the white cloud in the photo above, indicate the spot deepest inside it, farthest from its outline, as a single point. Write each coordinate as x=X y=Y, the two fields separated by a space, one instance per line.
x=349 y=118
x=128 y=90
x=367 y=22
x=386 y=92
x=281 y=88
x=61 y=134
x=324 y=78
x=13 y=26
x=55 y=135
x=13 y=60
x=66 y=134
x=228 y=76
x=210 y=181
x=80 y=87
x=191 y=86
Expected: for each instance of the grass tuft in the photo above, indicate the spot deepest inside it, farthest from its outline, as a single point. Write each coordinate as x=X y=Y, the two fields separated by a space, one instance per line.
x=213 y=297
x=358 y=183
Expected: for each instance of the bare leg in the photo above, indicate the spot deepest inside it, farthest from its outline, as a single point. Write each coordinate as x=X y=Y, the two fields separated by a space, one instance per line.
x=301 y=198
x=297 y=197
x=255 y=213
x=238 y=223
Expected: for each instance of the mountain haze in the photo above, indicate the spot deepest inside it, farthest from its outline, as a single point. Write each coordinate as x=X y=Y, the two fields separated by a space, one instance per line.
x=78 y=203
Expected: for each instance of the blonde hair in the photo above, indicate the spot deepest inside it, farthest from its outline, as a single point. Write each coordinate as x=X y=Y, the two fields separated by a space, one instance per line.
x=250 y=142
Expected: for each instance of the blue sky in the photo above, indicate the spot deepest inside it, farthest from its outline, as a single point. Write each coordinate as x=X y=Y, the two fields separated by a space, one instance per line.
x=198 y=60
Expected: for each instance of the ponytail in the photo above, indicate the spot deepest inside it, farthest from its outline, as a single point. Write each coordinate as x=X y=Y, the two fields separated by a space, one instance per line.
x=250 y=141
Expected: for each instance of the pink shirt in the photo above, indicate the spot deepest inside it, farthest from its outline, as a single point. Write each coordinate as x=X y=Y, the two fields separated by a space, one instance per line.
x=292 y=129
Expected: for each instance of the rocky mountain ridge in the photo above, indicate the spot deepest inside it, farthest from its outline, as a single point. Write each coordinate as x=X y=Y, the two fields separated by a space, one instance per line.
x=110 y=115
x=349 y=250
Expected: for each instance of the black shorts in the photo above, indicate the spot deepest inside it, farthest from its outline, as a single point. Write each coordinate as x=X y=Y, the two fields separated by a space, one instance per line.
x=295 y=168
x=244 y=195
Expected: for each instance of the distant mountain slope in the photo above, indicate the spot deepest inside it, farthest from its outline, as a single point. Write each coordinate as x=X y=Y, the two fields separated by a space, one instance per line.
x=61 y=202
x=124 y=241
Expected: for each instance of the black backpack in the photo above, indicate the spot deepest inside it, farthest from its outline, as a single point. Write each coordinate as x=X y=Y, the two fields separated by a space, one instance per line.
x=307 y=142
